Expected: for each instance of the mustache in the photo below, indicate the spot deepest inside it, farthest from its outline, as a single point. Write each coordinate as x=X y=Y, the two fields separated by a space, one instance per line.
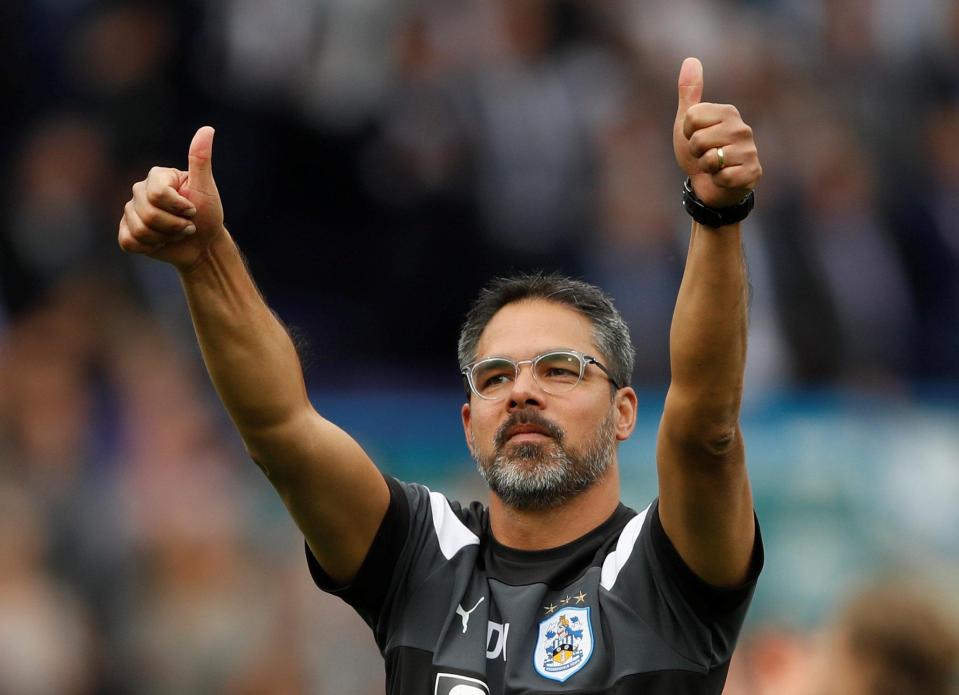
x=527 y=418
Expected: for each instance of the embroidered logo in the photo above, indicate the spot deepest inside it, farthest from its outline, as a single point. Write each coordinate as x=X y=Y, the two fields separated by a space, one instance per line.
x=465 y=614
x=564 y=645
x=499 y=631
x=453 y=684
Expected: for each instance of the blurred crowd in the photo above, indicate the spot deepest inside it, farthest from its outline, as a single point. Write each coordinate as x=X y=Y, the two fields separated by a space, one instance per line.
x=140 y=549
x=890 y=637
x=378 y=161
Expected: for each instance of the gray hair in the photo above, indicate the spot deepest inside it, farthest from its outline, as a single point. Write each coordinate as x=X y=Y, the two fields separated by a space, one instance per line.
x=610 y=332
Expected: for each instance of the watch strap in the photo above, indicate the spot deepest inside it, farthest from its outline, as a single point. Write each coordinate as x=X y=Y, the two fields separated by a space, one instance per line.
x=715 y=217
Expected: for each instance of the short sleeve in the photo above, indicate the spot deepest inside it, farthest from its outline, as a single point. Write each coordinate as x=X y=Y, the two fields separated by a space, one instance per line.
x=418 y=531
x=710 y=602
x=368 y=590
x=714 y=614
x=697 y=620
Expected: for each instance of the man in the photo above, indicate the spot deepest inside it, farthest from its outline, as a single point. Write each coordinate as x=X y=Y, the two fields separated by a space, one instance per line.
x=556 y=585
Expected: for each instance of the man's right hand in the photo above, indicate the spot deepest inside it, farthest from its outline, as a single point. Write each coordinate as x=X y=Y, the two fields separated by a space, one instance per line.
x=175 y=216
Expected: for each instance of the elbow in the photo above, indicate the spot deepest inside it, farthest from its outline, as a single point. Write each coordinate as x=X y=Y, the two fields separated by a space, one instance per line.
x=722 y=443
x=705 y=432
x=710 y=446
x=713 y=445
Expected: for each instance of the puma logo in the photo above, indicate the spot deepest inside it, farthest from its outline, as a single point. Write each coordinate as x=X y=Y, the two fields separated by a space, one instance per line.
x=465 y=615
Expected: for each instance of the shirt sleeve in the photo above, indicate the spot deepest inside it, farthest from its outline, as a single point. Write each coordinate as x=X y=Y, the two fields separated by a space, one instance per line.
x=697 y=619
x=405 y=550
x=710 y=602
x=368 y=591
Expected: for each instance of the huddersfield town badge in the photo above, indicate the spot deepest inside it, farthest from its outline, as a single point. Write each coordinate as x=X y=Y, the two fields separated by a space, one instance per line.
x=564 y=645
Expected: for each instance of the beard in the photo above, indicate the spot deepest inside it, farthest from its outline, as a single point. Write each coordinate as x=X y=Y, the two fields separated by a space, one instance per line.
x=535 y=476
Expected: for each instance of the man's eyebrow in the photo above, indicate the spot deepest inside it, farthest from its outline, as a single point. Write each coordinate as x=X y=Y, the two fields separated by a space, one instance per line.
x=546 y=351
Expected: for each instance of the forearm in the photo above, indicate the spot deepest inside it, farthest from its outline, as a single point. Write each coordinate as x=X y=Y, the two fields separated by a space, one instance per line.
x=248 y=353
x=327 y=481
x=709 y=328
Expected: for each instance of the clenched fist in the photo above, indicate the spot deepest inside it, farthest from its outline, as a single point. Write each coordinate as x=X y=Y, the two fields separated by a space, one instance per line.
x=175 y=216
x=713 y=145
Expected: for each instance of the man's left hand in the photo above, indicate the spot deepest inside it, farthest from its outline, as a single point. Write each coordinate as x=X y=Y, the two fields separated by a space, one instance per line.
x=713 y=145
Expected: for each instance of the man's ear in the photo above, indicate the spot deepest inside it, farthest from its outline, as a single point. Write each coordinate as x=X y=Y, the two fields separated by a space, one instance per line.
x=466 y=415
x=625 y=404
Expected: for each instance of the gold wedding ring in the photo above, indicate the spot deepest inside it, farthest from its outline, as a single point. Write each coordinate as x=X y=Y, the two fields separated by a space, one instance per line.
x=722 y=157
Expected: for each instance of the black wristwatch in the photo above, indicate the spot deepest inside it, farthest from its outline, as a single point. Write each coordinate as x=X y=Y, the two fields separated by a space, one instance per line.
x=715 y=217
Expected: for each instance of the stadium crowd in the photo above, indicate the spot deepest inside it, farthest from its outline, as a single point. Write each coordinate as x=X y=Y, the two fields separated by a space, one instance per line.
x=378 y=162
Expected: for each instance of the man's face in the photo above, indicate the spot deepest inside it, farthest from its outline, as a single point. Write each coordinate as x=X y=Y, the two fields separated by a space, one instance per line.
x=535 y=449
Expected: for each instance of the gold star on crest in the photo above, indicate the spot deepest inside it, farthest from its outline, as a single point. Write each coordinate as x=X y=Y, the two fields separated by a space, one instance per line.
x=580 y=597
x=550 y=608
x=564 y=601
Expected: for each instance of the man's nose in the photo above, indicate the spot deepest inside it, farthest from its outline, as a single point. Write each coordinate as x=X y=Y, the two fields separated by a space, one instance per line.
x=525 y=391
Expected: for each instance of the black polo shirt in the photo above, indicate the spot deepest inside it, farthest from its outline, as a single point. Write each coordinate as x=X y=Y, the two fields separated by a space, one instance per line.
x=616 y=611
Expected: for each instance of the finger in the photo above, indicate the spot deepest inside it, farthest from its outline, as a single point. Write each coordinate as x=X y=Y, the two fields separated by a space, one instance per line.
x=690 y=85
x=706 y=139
x=711 y=162
x=201 y=161
x=139 y=231
x=162 y=190
x=161 y=221
x=739 y=177
x=712 y=125
x=706 y=115
x=733 y=155
x=128 y=242
x=740 y=157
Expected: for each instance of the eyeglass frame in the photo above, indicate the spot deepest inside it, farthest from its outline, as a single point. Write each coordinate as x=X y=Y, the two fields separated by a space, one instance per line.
x=584 y=360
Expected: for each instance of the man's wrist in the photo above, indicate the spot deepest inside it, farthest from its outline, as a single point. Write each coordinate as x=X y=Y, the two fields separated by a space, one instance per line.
x=715 y=217
x=220 y=243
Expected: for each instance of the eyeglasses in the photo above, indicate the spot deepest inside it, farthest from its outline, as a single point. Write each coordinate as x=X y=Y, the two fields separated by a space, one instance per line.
x=556 y=372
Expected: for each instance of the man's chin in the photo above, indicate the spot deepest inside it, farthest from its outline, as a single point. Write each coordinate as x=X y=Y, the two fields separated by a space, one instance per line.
x=524 y=450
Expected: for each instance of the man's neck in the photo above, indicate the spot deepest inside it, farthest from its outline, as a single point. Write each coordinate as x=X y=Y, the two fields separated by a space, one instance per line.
x=550 y=528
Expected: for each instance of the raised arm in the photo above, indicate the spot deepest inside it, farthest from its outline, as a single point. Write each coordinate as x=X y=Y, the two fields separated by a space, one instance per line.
x=705 y=500
x=330 y=486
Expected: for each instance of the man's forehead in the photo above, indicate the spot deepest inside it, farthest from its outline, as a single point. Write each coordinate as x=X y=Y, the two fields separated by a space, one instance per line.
x=525 y=328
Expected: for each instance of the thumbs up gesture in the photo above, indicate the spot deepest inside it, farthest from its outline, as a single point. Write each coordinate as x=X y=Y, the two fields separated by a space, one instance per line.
x=174 y=216
x=712 y=143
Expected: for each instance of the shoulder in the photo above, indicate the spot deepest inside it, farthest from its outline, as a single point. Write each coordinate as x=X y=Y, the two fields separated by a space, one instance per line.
x=455 y=525
x=625 y=534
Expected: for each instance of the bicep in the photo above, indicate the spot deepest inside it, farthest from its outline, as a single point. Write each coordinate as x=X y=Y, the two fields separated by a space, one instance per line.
x=330 y=486
x=706 y=505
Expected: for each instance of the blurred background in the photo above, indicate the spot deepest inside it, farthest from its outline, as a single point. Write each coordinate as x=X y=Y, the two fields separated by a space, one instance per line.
x=379 y=160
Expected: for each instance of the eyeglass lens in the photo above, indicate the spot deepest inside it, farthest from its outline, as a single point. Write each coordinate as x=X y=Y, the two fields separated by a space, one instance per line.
x=555 y=372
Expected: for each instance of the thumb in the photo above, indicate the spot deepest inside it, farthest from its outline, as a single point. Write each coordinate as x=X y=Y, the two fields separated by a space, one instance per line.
x=201 y=161
x=690 y=85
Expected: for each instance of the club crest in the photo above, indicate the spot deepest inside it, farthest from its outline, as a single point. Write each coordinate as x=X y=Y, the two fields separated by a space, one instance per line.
x=564 y=645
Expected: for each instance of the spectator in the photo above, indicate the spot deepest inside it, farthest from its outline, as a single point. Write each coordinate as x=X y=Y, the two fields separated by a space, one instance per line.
x=890 y=639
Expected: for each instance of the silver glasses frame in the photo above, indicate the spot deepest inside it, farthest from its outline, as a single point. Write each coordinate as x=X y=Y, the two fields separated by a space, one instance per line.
x=584 y=361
